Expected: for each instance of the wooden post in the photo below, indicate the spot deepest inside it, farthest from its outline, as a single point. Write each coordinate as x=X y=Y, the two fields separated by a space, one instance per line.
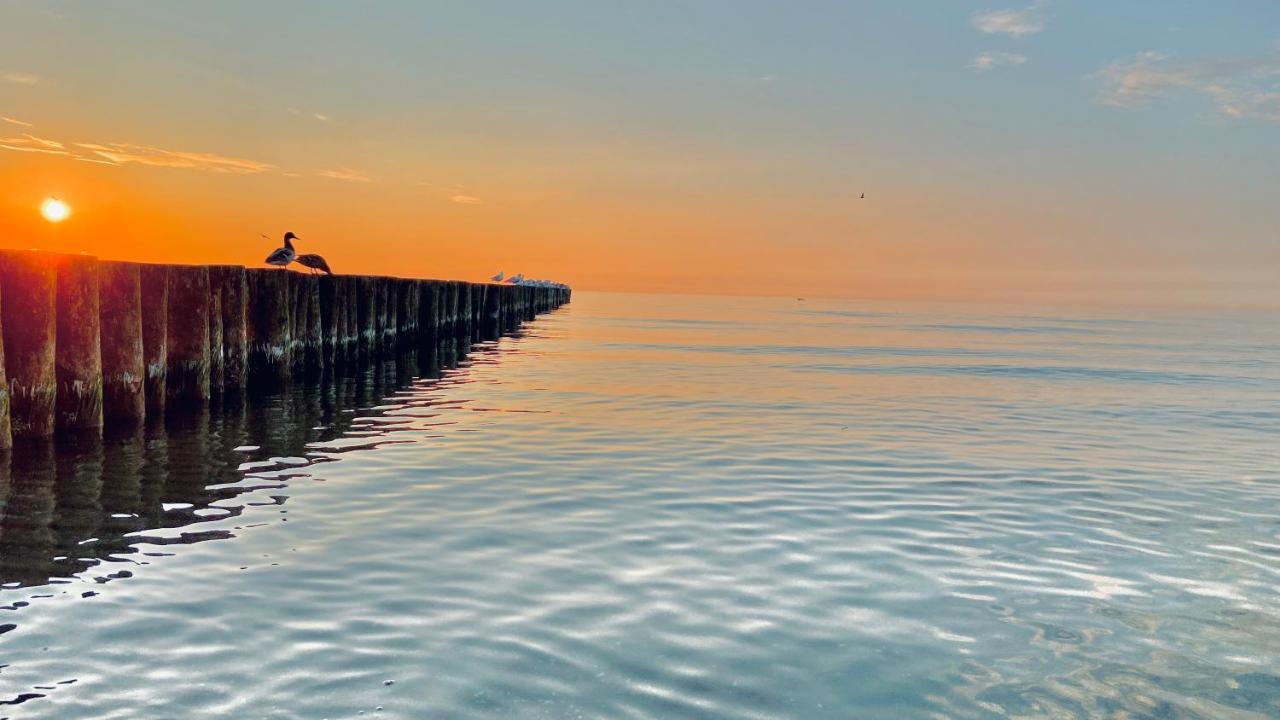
x=231 y=283
x=313 y=332
x=407 y=301
x=124 y=400
x=30 y=282
x=464 y=314
x=492 y=312
x=188 y=331
x=6 y=431
x=367 y=311
x=215 y=341
x=330 y=318
x=353 y=317
x=389 y=299
x=428 y=313
x=449 y=324
x=155 y=336
x=79 y=345
x=269 y=331
x=477 y=312
x=297 y=301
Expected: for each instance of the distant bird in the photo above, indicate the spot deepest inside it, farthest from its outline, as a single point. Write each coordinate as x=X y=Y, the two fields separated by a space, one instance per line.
x=498 y=277
x=284 y=255
x=516 y=279
x=863 y=195
x=315 y=262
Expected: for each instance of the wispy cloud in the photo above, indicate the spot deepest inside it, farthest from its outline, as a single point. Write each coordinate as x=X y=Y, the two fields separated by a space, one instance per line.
x=1010 y=21
x=345 y=174
x=19 y=78
x=121 y=154
x=992 y=60
x=31 y=143
x=1239 y=87
x=322 y=117
x=466 y=200
x=15 y=121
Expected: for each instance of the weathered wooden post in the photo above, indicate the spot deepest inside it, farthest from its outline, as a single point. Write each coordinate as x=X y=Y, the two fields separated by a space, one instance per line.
x=155 y=336
x=268 y=313
x=353 y=317
x=79 y=345
x=6 y=432
x=477 y=312
x=367 y=311
x=407 y=301
x=509 y=319
x=297 y=319
x=464 y=313
x=188 y=335
x=492 y=312
x=307 y=337
x=315 y=328
x=428 y=315
x=29 y=281
x=124 y=400
x=231 y=282
x=330 y=319
x=449 y=324
x=391 y=322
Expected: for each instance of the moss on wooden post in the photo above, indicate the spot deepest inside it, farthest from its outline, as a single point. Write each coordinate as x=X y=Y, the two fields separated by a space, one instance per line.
x=124 y=401
x=268 y=319
x=155 y=336
x=188 y=331
x=29 y=281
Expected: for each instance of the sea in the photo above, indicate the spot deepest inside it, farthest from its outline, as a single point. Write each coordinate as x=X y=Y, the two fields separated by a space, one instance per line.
x=649 y=506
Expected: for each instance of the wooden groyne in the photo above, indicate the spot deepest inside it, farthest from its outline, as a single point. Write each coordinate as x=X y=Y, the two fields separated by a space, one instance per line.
x=85 y=342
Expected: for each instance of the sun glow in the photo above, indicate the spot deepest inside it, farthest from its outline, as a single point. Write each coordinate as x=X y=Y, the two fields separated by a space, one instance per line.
x=54 y=210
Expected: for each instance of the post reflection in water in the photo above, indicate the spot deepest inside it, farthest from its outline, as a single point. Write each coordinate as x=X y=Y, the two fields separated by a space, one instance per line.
x=101 y=504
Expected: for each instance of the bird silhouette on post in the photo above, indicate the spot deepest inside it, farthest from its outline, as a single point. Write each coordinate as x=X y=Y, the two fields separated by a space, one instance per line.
x=314 y=262
x=282 y=256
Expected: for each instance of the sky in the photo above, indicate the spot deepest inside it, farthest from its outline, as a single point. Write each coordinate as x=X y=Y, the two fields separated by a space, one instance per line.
x=1060 y=151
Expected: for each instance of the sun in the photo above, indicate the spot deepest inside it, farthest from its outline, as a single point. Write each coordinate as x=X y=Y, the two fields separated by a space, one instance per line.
x=54 y=210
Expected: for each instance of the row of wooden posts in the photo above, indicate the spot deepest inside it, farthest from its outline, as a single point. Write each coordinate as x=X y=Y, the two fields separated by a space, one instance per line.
x=87 y=342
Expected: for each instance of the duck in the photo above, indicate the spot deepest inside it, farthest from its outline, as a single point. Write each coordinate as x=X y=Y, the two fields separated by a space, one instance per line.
x=282 y=256
x=314 y=262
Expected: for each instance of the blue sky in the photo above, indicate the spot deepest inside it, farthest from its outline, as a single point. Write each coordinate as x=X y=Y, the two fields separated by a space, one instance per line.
x=1117 y=146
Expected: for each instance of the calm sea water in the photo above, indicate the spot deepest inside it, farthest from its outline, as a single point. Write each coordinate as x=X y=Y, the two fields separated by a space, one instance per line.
x=660 y=507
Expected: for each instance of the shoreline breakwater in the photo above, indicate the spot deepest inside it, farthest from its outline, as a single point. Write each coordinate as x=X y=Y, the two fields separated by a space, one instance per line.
x=86 y=342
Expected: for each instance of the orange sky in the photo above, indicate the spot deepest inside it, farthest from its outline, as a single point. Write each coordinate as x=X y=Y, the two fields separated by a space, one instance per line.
x=646 y=153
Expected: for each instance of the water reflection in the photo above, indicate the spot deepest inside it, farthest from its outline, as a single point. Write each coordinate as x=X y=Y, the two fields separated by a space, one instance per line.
x=98 y=504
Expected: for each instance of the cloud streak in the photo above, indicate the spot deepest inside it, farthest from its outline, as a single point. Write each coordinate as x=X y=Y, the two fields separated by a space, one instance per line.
x=345 y=174
x=15 y=121
x=18 y=78
x=121 y=154
x=31 y=143
x=1010 y=21
x=992 y=60
x=466 y=200
x=1239 y=87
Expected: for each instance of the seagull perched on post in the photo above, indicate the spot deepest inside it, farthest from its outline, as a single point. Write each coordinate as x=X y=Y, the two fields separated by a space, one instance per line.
x=498 y=277
x=314 y=262
x=516 y=279
x=284 y=255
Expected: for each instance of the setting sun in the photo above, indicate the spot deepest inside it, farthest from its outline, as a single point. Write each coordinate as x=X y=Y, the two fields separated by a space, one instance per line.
x=54 y=210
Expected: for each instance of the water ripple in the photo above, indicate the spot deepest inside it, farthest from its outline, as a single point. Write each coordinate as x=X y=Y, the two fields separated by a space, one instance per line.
x=649 y=508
